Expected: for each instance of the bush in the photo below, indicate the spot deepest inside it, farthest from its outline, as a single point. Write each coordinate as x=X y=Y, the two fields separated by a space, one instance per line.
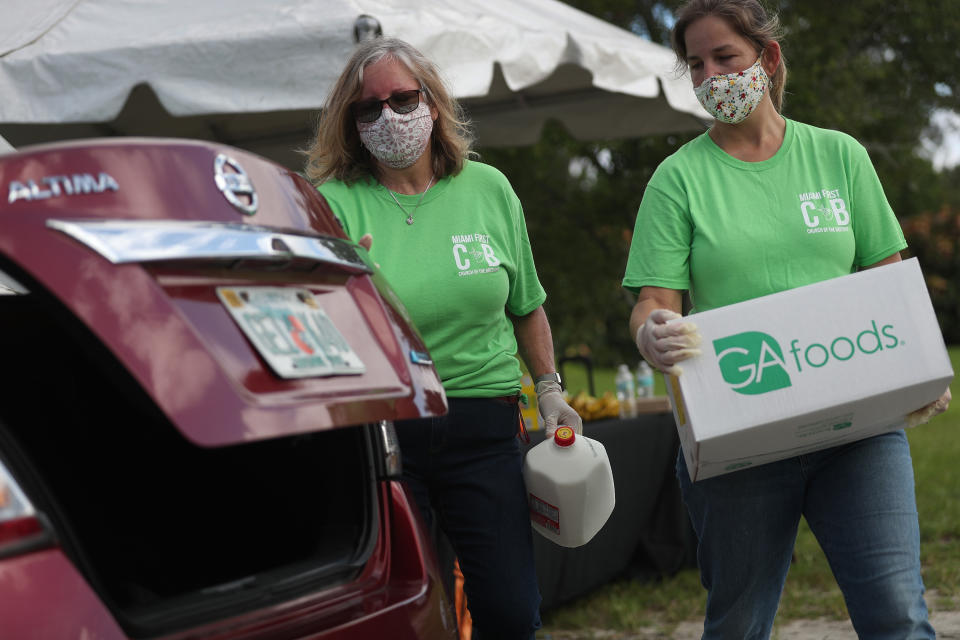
x=932 y=239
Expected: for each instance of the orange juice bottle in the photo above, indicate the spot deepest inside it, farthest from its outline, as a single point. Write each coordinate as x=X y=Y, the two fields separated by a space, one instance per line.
x=531 y=419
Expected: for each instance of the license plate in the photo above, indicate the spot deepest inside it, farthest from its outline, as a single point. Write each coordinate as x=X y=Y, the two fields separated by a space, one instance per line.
x=291 y=331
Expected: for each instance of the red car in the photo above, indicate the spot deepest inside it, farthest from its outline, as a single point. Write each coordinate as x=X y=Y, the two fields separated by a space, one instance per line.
x=195 y=435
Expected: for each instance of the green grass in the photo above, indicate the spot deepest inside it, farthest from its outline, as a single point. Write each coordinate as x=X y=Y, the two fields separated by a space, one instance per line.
x=810 y=590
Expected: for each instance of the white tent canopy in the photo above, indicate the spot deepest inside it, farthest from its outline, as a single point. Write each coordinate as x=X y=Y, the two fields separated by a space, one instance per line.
x=254 y=73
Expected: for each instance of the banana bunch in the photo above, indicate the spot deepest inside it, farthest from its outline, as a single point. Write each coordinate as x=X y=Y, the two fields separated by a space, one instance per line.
x=590 y=408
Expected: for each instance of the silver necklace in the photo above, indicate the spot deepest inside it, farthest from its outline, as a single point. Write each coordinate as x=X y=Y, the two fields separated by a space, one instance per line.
x=417 y=206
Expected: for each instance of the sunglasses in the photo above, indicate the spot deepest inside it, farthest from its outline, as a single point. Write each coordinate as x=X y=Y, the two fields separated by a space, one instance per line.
x=400 y=102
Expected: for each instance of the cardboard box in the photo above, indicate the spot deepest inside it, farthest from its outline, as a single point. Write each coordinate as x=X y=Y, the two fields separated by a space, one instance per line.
x=809 y=368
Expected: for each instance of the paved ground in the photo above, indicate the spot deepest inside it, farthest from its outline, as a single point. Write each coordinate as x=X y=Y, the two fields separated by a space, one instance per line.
x=946 y=624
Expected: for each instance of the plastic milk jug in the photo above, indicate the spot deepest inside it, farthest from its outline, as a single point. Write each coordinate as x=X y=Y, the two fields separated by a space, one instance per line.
x=569 y=487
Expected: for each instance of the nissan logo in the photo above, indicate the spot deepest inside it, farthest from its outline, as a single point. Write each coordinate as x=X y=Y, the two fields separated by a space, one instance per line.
x=234 y=184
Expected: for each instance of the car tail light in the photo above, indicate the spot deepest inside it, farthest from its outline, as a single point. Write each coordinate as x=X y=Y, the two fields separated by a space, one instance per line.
x=391 y=450
x=21 y=527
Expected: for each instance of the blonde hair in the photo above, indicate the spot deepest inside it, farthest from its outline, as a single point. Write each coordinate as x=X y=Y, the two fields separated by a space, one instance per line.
x=337 y=152
x=748 y=18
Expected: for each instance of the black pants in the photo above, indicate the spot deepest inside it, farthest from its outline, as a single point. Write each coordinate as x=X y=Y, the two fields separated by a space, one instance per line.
x=466 y=467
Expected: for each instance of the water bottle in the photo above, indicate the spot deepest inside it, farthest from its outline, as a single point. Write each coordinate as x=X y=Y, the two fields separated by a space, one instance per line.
x=569 y=486
x=644 y=380
x=626 y=395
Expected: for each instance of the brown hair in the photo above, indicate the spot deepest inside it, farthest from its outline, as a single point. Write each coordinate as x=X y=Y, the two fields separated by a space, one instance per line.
x=337 y=151
x=748 y=18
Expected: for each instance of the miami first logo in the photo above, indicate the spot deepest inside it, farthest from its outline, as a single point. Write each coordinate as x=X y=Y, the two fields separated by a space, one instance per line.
x=753 y=362
x=824 y=211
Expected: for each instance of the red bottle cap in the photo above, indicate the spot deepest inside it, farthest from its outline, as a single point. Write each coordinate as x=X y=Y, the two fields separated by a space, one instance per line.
x=564 y=436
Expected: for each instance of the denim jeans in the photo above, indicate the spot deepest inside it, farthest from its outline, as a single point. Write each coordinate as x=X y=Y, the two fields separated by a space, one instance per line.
x=466 y=467
x=859 y=501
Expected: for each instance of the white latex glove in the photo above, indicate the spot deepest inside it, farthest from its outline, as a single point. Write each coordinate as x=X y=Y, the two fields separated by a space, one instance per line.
x=663 y=345
x=923 y=415
x=554 y=409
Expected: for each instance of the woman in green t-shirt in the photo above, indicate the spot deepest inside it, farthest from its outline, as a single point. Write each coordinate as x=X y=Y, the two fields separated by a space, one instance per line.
x=735 y=214
x=391 y=157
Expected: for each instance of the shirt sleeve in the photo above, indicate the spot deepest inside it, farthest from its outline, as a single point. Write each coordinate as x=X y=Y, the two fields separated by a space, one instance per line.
x=876 y=228
x=526 y=293
x=329 y=191
x=660 y=250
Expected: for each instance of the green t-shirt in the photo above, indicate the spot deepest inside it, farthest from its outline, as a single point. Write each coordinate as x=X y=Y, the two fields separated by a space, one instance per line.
x=463 y=263
x=729 y=230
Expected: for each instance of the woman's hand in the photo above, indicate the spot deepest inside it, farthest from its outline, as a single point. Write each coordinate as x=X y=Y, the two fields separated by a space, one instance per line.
x=536 y=348
x=366 y=241
x=663 y=345
x=935 y=408
x=554 y=409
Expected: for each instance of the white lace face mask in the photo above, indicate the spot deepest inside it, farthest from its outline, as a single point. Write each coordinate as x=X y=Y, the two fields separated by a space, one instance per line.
x=398 y=139
x=732 y=97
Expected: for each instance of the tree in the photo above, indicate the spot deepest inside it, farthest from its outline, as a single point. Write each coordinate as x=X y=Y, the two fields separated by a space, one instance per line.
x=876 y=70
x=580 y=227
x=872 y=68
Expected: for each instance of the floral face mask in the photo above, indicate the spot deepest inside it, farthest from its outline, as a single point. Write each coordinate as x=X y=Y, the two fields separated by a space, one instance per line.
x=732 y=97
x=398 y=139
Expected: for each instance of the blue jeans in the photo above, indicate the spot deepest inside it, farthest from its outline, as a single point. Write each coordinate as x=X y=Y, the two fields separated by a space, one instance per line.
x=467 y=468
x=859 y=501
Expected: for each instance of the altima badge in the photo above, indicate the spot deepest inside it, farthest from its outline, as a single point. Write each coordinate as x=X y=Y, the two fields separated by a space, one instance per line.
x=66 y=185
x=235 y=184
